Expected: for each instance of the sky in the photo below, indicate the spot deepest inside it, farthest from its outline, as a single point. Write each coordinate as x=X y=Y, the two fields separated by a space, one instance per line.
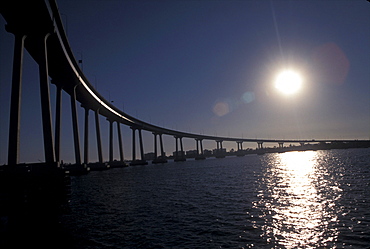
x=208 y=67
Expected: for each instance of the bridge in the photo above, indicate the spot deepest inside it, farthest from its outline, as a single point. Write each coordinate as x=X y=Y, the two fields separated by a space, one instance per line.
x=29 y=191
x=42 y=188
x=42 y=34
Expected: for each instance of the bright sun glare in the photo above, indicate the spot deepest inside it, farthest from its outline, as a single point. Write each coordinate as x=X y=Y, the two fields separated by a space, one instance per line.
x=288 y=82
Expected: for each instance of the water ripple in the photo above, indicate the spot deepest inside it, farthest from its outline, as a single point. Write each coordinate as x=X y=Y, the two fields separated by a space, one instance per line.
x=306 y=199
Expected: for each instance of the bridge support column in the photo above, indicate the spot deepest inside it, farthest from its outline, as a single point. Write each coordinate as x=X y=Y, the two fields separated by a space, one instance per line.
x=260 y=145
x=141 y=146
x=220 y=152
x=201 y=146
x=120 y=142
x=240 y=151
x=180 y=156
x=45 y=103
x=177 y=147
x=281 y=144
x=162 y=157
x=134 y=161
x=110 y=140
x=76 y=136
x=162 y=149
x=133 y=144
x=200 y=155
x=198 y=141
x=155 y=145
x=240 y=145
x=15 y=102
x=260 y=150
x=86 y=136
x=58 y=107
x=182 y=149
x=98 y=138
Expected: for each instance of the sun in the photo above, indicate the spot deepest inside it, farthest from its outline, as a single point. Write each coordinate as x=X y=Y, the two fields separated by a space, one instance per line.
x=288 y=82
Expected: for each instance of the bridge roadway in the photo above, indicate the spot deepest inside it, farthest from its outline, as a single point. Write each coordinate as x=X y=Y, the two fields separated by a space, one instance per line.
x=38 y=27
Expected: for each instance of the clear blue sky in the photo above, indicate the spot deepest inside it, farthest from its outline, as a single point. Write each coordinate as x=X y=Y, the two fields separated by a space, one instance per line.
x=208 y=67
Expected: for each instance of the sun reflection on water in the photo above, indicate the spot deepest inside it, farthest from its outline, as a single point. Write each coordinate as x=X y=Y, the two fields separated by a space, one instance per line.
x=296 y=207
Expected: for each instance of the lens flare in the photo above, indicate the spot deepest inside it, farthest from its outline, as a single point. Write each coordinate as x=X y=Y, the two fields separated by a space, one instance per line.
x=221 y=108
x=248 y=97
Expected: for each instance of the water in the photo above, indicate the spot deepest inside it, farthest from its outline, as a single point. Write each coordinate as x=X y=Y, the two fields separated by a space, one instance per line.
x=312 y=199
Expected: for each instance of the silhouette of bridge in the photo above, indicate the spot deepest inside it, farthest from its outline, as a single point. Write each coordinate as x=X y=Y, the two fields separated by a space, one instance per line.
x=42 y=188
x=38 y=28
x=29 y=191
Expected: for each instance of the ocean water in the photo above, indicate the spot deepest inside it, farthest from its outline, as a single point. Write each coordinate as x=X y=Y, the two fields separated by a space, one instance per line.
x=311 y=199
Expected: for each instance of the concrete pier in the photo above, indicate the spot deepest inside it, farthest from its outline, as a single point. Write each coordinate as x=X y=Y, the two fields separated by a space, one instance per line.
x=180 y=155
x=76 y=169
x=58 y=119
x=24 y=187
x=32 y=198
x=15 y=101
x=76 y=136
x=45 y=101
x=134 y=161
x=200 y=154
x=162 y=157
x=219 y=151
x=86 y=136
x=98 y=138
x=98 y=166
x=260 y=145
x=110 y=140
x=120 y=144
x=240 y=152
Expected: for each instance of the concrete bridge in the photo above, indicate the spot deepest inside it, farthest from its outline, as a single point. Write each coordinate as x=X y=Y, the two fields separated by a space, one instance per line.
x=43 y=187
x=41 y=32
